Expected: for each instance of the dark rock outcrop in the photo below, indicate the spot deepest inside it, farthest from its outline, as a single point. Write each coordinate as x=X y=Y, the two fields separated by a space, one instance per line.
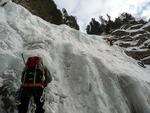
x=46 y=9
x=146 y=27
x=138 y=26
x=138 y=55
x=120 y=33
x=146 y=60
x=135 y=40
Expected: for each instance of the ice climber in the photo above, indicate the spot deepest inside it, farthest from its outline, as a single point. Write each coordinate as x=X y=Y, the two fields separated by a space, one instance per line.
x=35 y=77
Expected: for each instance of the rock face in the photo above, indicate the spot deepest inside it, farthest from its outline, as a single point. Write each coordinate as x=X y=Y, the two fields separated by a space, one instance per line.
x=138 y=55
x=46 y=9
x=120 y=32
x=146 y=60
x=146 y=27
x=135 y=40
x=138 y=26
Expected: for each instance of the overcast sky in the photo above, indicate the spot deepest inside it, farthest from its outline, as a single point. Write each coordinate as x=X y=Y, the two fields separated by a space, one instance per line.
x=84 y=10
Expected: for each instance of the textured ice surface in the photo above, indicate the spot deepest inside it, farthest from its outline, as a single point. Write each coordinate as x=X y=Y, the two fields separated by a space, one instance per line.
x=89 y=76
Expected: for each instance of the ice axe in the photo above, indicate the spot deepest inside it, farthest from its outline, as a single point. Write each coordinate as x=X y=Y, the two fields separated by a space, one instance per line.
x=23 y=59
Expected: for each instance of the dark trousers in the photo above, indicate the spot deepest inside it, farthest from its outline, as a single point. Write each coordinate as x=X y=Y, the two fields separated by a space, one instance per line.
x=26 y=94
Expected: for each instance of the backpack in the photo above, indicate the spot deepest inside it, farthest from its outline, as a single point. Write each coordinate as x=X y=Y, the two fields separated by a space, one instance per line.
x=34 y=71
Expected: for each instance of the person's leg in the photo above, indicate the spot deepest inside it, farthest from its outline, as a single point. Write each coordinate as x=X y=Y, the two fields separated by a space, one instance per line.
x=37 y=96
x=23 y=107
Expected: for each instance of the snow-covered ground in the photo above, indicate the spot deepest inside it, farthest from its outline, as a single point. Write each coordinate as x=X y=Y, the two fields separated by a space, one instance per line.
x=89 y=76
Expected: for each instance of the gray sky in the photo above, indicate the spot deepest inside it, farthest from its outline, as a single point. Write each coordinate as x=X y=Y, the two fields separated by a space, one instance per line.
x=84 y=10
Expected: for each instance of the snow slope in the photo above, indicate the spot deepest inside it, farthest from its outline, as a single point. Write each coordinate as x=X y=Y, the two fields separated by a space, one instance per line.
x=89 y=76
